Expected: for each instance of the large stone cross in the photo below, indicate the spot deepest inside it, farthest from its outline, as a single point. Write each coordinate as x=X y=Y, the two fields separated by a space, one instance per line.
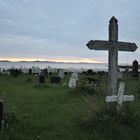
x=113 y=46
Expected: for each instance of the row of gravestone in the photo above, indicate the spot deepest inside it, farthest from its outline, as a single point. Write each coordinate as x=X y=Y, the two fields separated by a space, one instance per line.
x=57 y=79
x=37 y=70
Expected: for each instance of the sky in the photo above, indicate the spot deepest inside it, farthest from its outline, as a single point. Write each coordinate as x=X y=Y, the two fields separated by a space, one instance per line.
x=58 y=30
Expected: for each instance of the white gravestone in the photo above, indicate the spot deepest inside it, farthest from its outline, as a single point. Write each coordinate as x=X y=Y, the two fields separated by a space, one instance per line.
x=24 y=70
x=120 y=97
x=61 y=73
x=74 y=75
x=72 y=83
x=36 y=70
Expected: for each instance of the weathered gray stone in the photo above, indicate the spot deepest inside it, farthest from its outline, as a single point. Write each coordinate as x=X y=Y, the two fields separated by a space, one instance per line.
x=113 y=46
x=61 y=73
x=106 y=45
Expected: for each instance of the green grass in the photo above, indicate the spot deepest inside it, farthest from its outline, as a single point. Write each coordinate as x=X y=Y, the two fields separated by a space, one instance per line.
x=55 y=112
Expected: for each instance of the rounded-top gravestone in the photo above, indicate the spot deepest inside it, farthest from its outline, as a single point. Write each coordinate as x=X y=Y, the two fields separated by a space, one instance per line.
x=135 y=68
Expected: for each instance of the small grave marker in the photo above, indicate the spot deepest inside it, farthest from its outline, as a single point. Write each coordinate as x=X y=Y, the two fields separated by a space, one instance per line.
x=120 y=97
x=72 y=83
x=41 y=78
x=35 y=70
x=74 y=75
x=61 y=73
x=24 y=70
x=30 y=71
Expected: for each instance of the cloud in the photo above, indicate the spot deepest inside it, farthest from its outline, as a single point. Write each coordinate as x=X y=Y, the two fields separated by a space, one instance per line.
x=62 y=28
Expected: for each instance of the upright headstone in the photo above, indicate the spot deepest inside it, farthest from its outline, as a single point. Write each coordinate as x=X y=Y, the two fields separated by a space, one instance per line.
x=74 y=75
x=51 y=70
x=36 y=70
x=135 y=69
x=41 y=78
x=61 y=73
x=113 y=46
x=72 y=83
x=30 y=71
x=45 y=71
x=55 y=79
x=24 y=70
x=14 y=72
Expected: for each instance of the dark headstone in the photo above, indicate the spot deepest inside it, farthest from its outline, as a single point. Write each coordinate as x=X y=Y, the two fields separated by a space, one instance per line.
x=50 y=74
x=135 y=69
x=30 y=71
x=66 y=73
x=41 y=78
x=55 y=80
x=15 y=72
x=46 y=71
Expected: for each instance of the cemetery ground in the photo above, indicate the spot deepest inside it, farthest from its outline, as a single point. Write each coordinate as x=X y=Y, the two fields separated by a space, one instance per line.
x=56 y=112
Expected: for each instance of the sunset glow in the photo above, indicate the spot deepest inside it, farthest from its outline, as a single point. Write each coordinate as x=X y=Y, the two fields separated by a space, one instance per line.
x=84 y=60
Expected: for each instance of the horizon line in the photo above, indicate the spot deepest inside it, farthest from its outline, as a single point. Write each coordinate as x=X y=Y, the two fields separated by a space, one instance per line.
x=53 y=61
x=83 y=60
x=73 y=60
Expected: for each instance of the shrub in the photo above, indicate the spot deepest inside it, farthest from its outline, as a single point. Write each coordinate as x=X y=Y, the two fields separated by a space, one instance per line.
x=86 y=86
x=89 y=72
x=84 y=72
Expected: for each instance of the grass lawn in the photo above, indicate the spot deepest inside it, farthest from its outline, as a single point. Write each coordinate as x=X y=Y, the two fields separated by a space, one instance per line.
x=55 y=112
